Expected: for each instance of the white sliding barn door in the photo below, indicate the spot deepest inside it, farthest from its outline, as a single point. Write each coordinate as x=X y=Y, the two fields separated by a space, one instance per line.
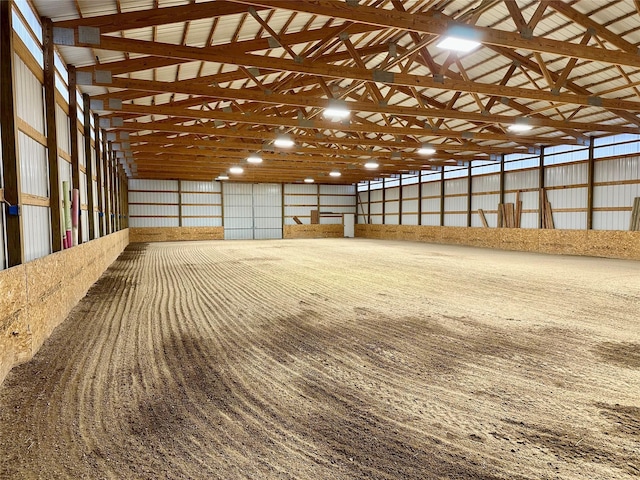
x=252 y=211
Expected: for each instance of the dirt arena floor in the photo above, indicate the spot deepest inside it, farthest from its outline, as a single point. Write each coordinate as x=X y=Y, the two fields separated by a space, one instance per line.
x=335 y=359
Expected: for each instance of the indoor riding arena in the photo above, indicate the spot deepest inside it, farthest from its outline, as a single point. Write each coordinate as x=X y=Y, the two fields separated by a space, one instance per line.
x=328 y=239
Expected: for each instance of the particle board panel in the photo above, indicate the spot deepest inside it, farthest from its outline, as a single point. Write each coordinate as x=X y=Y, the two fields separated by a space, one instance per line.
x=484 y=237
x=313 y=231
x=38 y=295
x=524 y=240
x=613 y=244
x=174 y=234
x=598 y=243
x=454 y=235
x=566 y=242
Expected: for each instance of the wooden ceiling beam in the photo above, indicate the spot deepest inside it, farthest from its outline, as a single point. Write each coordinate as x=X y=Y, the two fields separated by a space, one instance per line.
x=439 y=25
x=246 y=144
x=328 y=125
x=601 y=31
x=206 y=94
x=159 y=16
x=360 y=74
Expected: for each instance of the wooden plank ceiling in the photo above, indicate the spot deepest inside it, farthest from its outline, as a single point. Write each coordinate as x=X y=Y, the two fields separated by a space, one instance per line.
x=191 y=89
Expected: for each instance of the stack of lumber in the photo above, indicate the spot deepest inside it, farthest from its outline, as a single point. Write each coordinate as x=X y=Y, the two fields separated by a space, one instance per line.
x=635 y=215
x=547 y=213
x=510 y=214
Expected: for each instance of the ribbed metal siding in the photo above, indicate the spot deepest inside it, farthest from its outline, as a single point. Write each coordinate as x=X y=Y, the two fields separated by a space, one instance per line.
x=153 y=203
x=455 y=207
x=299 y=200
x=572 y=196
x=33 y=166
x=612 y=198
x=484 y=197
x=29 y=96
x=37 y=232
x=523 y=181
x=431 y=206
x=410 y=205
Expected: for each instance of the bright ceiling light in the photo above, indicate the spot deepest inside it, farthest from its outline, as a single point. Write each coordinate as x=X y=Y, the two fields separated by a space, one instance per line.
x=308 y=180
x=284 y=141
x=426 y=149
x=458 y=44
x=371 y=165
x=223 y=177
x=236 y=170
x=335 y=173
x=254 y=159
x=520 y=127
x=337 y=110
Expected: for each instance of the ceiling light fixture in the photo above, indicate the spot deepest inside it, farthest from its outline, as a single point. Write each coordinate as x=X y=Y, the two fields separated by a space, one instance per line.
x=223 y=177
x=519 y=127
x=458 y=44
x=335 y=173
x=371 y=165
x=236 y=170
x=460 y=38
x=308 y=180
x=254 y=159
x=337 y=110
x=284 y=141
x=426 y=149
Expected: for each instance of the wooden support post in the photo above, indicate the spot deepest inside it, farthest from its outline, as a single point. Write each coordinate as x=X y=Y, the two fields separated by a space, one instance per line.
x=420 y=198
x=180 y=203
x=112 y=215
x=282 y=209
x=52 y=137
x=501 y=178
x=87 y=155
x=369 y=205
x=73 y=130
x=469 y=194
x=384 y=202
x=99 y=181
x=400 y=201
x=442 y=197
x=10 y=161
x=590 y=181
x=541 y=200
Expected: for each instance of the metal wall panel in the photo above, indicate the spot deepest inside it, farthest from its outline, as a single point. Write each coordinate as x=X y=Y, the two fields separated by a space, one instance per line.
x=267 y=210
x=565 y=175
x=201 y=186
x=62 y=130
x=83 y=188
x=154 y=185
x=81 y=156
x=29 y=96
x=457 y=186
x=455 y=220
x=153 y=197
x=201 y=222
x=201 y=198
x=153 y=222
x=300 y=189
x=392 y=193
x=431 y=219
x=144 y=210
x=34 y=172
x=410 y=191
x=391 y=219
x=410 y=219
x=521 y=179
x=614 y=197
x=337 y=190
x=37 y=232
x=84 y=222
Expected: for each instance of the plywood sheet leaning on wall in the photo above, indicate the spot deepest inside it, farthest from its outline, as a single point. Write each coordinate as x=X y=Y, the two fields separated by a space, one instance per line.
x=635 y=215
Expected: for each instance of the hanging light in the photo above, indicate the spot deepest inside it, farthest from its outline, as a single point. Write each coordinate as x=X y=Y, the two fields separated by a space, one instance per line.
x=519 y=127
x=337 y=110
x=460 y=38
x=308 y=180
x=284 y=141
x=223 y=177
x=371 y=165
x=236 y=170
x=426 y=149
x=335 y=173
x=254 y=158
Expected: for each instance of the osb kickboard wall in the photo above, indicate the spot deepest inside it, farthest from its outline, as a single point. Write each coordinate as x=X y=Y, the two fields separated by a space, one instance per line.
x=174 y=234
x=38 y=295
x=313 y=231
x=596 y=243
